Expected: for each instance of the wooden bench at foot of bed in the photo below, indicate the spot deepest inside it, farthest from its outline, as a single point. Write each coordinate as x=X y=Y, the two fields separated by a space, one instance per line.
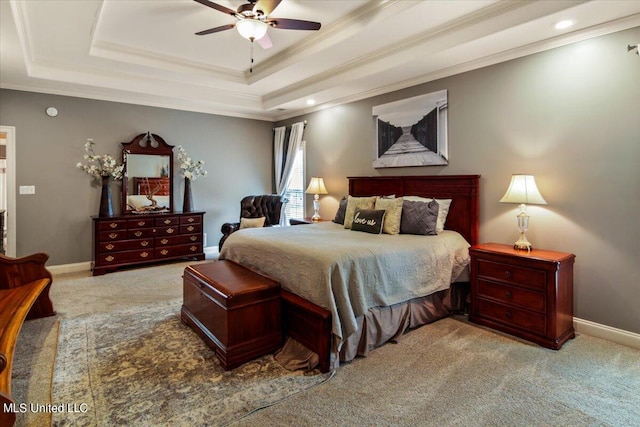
x=24 y=294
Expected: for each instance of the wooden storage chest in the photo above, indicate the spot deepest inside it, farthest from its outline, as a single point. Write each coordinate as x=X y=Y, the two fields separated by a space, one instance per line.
x=235 y=311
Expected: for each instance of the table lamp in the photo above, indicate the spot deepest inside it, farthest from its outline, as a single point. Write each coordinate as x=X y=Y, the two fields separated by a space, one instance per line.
x=316 y=187
x=523 y=190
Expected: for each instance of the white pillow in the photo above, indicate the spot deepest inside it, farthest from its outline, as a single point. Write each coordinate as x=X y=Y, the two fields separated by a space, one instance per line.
x=252 y=222
x=443 y=209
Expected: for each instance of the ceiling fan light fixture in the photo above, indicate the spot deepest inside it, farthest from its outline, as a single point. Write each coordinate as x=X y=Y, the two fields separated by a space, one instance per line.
x=251 y=29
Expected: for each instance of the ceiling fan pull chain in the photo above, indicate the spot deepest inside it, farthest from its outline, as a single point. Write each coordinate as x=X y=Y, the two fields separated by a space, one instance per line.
x=251 y=66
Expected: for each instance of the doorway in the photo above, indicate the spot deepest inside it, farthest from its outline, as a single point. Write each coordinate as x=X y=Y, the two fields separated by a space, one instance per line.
x=7 y=189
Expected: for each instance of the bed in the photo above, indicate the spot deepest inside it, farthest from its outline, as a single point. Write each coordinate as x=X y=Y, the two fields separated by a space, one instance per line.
x=374 y=286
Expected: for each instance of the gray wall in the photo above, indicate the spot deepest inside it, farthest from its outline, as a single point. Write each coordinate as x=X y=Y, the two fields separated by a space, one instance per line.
x=571 y=117
x=56 y=219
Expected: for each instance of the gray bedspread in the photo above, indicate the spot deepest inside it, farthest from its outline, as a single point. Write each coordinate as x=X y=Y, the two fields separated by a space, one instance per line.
x=348 y=272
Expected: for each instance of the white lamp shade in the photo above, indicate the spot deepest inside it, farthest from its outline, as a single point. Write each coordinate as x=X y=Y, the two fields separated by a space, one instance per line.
x=523 y=189
x=316 y=186
x=251 y=29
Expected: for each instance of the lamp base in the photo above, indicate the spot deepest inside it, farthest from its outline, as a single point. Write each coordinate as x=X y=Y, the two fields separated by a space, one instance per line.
x=316 y=208
x=522 y=244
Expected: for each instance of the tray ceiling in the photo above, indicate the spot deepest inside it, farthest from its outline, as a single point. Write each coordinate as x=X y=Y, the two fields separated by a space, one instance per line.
x=146 y=52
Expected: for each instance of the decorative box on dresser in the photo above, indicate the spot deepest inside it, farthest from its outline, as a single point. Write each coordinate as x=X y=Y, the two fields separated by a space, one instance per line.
x=133 y=239
x=528 y=294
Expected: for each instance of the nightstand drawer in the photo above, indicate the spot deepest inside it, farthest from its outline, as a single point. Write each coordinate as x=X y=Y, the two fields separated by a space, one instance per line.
x=535 y=279
x=510 y=316
x=511 y=295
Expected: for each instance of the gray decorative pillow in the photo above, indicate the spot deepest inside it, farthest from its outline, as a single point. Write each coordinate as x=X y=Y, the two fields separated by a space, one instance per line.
x=342 y=210
x=442 y=212
x=368 y=220
x=394 y=214
x=419 y=218
x=354 y=203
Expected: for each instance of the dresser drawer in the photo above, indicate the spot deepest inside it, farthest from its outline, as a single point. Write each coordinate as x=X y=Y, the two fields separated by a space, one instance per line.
x=125 y=245
x=109 y=236
x=191 y=228
x=112 y=225
x=190 y=219
x=511 y=295
x=169 y=220
x=124 y=257
x=513 y=317
x=173 y=230
x=178 y=240
x=140 y=223
x=138 y=233
x=529 y=277
x=180 y=250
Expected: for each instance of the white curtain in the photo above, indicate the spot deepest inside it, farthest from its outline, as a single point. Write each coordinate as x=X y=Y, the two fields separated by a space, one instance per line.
x=283 y=159
x=3 y=183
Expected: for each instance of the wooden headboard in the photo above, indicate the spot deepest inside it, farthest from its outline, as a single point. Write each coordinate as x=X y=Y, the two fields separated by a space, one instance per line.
x=462 y=189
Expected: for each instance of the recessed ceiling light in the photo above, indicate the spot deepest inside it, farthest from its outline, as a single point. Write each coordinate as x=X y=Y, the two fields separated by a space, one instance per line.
x=311 y=102
x=564 y=24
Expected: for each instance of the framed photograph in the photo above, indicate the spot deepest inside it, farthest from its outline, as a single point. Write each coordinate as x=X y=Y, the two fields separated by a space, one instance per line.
x=412 y=132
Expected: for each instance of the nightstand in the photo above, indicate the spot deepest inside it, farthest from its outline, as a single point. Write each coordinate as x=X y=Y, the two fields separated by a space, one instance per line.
x=528 y=294
x=307 y=220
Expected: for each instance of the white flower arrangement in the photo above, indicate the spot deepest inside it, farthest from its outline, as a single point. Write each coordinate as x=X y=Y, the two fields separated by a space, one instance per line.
x=189 y=168
x=100 y=165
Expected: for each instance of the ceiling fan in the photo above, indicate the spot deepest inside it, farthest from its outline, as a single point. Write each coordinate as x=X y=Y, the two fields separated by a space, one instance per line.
x=253 y=21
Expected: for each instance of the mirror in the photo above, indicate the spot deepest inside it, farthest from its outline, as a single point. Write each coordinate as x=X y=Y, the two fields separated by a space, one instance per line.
x=147 y=183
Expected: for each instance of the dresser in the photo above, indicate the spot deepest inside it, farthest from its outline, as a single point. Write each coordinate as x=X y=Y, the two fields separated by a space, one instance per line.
x=528 y=294
x=134 y=239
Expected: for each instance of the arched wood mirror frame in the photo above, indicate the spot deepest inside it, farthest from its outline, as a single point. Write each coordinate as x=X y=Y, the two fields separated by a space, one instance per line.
x=147 y=182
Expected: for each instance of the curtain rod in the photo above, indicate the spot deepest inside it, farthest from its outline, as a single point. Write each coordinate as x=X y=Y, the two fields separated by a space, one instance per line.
x=305 y=125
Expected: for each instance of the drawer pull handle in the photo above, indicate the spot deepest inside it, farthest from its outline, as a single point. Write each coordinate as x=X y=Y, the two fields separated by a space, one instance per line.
x=109 y=246
x=113 y=235
x=141 y=223
x=164 y=241
x=191 y=220
x=109 y=258
x=194 y=238
x=170 y=230
x=509 y=294
x=190 y=228
x=113 y=225
x=144 y=254
x=144 y=243
x=138 y=233
x=508 y=315
x=164 y=252
x=193 y=248
x=167 y=221
x=507 y=274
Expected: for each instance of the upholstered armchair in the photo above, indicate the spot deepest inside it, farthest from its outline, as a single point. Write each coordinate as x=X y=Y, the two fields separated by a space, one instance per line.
x=267 y=206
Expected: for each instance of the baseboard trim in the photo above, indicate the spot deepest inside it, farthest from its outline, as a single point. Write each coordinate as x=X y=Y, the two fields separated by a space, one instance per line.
x=618 y=336
x=211 y=252
x=70 y=268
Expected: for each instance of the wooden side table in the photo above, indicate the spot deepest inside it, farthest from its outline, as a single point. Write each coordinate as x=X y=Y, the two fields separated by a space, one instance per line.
x=306 y=220
x=528 y=294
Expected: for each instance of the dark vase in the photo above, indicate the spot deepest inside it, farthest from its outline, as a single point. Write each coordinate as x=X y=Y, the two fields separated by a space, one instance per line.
x=106 y=205
x=187 y=204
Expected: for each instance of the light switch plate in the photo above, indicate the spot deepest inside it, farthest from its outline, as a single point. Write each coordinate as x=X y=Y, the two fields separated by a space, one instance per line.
x=27 y=189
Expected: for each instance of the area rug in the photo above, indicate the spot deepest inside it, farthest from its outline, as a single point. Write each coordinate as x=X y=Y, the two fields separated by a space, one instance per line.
x=144 y=367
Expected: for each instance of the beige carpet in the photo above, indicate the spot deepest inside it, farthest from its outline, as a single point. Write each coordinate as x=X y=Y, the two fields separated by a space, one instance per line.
x=446 y=373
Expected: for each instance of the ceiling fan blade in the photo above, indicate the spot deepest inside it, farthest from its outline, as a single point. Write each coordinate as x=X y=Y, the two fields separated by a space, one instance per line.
x=217 y=7
x=293 y=24
x=216 y=29
x=265 y=41
x=266 y=6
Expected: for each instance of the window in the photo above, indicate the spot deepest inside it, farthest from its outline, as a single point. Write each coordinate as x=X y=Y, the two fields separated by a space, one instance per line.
x=295 y=190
